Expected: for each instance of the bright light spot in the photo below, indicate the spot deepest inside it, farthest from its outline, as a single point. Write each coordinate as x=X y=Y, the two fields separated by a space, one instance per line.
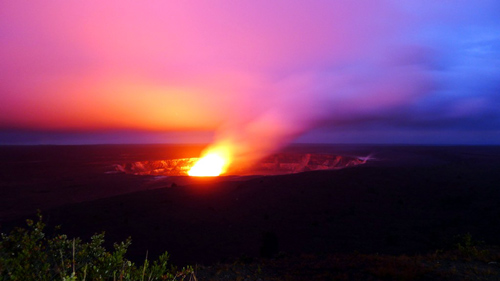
x=211 y=165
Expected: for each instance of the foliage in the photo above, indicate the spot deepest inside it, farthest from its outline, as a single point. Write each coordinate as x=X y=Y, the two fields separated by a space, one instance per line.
x=28 y=254
x=469 y=248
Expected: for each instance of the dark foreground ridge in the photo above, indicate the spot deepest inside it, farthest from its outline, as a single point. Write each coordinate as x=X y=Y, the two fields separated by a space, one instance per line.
x=30 y=254
x=406 y=201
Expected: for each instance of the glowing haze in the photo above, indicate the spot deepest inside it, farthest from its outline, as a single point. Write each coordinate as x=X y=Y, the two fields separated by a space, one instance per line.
x=258 y=74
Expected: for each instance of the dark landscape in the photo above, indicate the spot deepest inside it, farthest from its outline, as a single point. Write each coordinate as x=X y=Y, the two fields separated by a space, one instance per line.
x=410 y=200
x=250 y=140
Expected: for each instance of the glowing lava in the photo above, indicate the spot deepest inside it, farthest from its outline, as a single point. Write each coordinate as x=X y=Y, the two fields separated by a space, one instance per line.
x=211 y=165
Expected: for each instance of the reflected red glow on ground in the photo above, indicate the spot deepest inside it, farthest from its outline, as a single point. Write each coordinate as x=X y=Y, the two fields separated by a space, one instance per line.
x=277 y=164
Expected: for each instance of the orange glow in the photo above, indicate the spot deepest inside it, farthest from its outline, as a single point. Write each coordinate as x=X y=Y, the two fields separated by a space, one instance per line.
x=211 y=165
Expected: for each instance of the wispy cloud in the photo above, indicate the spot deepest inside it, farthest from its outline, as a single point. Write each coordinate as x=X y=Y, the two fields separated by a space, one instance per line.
x=249 y=71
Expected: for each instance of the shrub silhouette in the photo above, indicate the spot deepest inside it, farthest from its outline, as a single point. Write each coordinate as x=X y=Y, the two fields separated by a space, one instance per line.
x=28 y=254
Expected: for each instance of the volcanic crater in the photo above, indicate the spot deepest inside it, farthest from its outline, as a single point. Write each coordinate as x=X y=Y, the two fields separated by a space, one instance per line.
x=277 y=164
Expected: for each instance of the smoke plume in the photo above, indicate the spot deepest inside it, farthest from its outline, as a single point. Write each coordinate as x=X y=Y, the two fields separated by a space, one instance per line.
x=258 y=73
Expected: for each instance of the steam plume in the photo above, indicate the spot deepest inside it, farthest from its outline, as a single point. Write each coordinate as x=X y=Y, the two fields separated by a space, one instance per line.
x=259 y=73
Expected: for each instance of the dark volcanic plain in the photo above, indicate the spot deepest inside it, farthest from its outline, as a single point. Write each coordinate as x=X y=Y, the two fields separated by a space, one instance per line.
x=405 y=200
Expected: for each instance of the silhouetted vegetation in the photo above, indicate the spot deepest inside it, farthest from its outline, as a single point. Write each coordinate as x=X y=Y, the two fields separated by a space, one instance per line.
x=29 y=254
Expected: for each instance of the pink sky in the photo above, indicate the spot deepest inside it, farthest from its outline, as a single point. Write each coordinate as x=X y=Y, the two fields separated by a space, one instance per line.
x=239 y=68
x=165 y=64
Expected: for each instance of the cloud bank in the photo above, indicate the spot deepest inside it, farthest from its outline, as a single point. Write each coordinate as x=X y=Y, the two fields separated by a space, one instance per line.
x=258 y=73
